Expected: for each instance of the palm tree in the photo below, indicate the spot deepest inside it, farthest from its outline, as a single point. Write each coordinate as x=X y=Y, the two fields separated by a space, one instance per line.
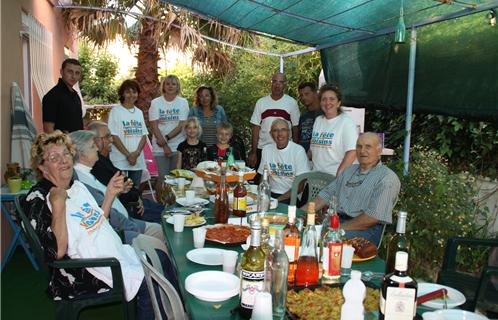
x=158 y=26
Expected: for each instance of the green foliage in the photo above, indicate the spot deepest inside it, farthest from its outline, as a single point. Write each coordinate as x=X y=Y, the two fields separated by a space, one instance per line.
x=470 y=145
x=239 y=90
x=439 y=206
x=99 y=70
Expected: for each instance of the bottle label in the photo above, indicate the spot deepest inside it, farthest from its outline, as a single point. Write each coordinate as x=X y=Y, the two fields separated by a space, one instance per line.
x=334 y=256
x=399 y=279
x=240 y=203
x=399 y=304
x=325 y=259
x=291 y=248
x=252 y=282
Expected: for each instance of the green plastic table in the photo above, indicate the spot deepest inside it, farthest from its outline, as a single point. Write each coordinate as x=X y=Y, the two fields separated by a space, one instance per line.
x=180 y=243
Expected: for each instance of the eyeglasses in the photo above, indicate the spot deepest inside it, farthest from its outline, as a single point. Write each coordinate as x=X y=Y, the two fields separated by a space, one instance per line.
x=278 y=81
x=55 y=157
x=280 y=130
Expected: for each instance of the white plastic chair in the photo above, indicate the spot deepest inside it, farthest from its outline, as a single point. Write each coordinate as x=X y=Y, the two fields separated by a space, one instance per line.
x=171 y=301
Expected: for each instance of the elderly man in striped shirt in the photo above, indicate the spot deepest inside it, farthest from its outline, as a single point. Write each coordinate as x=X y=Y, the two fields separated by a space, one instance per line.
x=366 y=192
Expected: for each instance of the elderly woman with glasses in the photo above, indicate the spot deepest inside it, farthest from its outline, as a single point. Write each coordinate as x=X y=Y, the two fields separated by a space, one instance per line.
x=70 y=224
x=209 y=113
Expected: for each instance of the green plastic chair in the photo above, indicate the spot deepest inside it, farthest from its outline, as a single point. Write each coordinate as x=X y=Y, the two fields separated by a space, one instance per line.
x=71 y=308
x=474 y=288
x=315 y=181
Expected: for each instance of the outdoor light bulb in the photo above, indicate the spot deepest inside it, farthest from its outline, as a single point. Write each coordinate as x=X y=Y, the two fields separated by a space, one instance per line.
x=492 y=17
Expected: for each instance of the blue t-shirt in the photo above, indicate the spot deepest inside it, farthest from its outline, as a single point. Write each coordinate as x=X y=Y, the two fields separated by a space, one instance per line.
x=306 y=122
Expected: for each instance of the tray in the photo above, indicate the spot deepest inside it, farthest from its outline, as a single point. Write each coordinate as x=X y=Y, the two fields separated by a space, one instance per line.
x=230 y=177
x=227 y=242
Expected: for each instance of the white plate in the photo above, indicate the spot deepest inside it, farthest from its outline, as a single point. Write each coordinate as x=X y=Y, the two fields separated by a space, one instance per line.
x=455 y=297
x=197 y=201
x=212 y=286
x=170 y=220
x=174 y=181
x=454 y=314
x=206 y=256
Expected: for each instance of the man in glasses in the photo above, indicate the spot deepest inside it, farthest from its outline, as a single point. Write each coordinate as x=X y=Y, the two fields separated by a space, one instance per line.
x=104 y=170
x=62 y=104
x=366 y=192
x=277 y=105
x=285 y=160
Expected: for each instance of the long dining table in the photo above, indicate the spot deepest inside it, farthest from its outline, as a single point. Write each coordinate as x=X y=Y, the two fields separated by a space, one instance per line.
x=179 y=243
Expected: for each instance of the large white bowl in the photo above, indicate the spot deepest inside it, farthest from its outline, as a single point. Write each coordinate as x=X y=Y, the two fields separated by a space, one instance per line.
x=453 y=314
x=212 y=286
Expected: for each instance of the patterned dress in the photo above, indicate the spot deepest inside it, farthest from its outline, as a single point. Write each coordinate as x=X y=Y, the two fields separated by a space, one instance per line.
x=63 y=283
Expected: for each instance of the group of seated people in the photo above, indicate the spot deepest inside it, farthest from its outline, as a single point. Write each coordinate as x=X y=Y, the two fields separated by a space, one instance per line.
x=83 y=195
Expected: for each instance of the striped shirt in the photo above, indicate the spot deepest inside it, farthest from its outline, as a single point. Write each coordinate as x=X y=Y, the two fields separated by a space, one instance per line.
x=374 y=192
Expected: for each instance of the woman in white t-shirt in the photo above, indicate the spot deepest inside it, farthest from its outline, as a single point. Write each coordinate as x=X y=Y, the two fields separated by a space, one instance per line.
x=129 y=132
x=167 y=115
x=333 y=141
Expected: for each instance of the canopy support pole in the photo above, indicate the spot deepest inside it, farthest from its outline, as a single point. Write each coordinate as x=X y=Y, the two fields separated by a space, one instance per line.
x=281 y=64
x=409 y=100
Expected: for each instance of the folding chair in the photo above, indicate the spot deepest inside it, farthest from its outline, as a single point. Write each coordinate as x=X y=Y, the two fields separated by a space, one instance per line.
x=316 y=181
x=152 y=171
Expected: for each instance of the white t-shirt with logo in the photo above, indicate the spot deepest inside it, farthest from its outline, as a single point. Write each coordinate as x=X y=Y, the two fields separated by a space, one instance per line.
x=284 y=165
x=91 y=236
x=169 y=114
x=330 y=140
x=267 y=110
x=129 y=126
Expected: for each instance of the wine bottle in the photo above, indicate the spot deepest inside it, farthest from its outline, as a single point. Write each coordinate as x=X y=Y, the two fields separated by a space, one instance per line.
x=264 y=194
x=252 y=271
x=292 y=241
x=221 y=200
x=307 y=265
x=331 y=210
x=240 y=197
x=398 y=242
x=265 y=236
x=332 y=250
x=231 y=158
x=278 y=264
x=398 y=300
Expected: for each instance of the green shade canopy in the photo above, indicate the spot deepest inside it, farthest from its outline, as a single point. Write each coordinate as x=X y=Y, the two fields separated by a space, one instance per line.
x=328 y=22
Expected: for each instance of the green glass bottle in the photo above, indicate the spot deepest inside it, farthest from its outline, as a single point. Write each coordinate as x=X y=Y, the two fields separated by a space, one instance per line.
x=252 y=278
x=398 y=242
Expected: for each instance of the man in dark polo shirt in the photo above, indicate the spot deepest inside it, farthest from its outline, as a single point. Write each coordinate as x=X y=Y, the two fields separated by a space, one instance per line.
x=62 y=104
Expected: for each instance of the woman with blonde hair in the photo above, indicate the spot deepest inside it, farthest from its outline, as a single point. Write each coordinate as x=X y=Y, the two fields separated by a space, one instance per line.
x=167 y=115
x=209 y=113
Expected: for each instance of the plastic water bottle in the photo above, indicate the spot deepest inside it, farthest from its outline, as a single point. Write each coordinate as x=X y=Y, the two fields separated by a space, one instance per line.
x=354 y=292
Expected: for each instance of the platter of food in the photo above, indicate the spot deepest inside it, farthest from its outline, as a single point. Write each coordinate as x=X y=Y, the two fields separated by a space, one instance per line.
x=191 y=220
x=325 y=302
x=364 y=250
x=210 y=170
x=227 y=233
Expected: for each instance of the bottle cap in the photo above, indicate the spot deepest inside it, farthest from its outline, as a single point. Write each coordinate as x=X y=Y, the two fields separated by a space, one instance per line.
x=311 y=219
x=356 y=275
x=291 y=213
x=256 y=224
x=311 y=206
x=402 y=214
x=334 y=221
x=401 y=263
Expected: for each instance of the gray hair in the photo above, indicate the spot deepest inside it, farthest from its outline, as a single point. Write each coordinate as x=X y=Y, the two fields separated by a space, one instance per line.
x=94 y=126
x=80 y=139
x=280 y=120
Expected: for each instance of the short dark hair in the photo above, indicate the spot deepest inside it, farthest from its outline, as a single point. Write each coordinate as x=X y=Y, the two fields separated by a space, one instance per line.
x=126 y=85
x=70 y=61
x=309 y=84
